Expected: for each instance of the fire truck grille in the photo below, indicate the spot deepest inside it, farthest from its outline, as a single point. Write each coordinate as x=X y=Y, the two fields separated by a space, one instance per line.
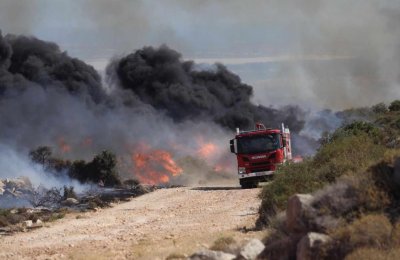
x=260 y=164
x=259 y=170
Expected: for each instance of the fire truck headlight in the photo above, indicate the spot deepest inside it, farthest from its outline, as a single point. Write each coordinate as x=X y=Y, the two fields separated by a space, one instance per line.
x=242 y=170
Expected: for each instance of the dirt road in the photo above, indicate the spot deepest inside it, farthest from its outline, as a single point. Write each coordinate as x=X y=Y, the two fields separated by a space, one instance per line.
x=153 y=226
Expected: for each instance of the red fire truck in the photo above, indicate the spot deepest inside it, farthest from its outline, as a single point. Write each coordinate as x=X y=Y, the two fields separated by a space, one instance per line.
x=259 y=152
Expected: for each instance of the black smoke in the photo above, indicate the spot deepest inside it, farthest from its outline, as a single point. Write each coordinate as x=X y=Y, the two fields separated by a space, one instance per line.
x=153 y=97
x=159 y=77
x=27 y=61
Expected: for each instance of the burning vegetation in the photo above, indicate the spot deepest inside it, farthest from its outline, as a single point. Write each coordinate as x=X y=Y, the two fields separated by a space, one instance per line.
x=153 y=166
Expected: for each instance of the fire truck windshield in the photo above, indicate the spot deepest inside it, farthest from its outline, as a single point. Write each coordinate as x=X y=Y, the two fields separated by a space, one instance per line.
x=258 y=144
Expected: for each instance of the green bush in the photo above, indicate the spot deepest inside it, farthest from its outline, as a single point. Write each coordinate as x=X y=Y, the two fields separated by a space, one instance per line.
x=347 y=155
x=380 y=108
x=289 y=179
x=358 y=128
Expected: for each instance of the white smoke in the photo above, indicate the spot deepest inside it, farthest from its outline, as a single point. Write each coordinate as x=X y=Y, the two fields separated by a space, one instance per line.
x=14 y=165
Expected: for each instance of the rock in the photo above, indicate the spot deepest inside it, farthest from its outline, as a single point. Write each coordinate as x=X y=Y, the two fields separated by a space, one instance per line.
x=39 y=223
x=27 y=223
x=251 y=250
x=299 y=207
x=70 y=202
x=211 y=255
x=282 y=249
x=309 y=243
x=18 y=184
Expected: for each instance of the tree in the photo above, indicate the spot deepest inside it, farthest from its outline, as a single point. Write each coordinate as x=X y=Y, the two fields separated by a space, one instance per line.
x=104 y=168
x=41 y=155
x=79 y=170
x=395 y=106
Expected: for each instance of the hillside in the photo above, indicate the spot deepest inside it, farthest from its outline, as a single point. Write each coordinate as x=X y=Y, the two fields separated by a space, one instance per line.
x=345 y=198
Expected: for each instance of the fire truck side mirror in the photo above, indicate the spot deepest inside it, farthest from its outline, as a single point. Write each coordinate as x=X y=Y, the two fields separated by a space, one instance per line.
x=232 y=145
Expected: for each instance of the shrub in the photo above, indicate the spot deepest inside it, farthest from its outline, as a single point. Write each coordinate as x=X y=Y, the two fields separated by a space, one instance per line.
x=368 y=231
x=131 y=183
x=289 y=179
x=347 y=155
x=45 y=197
x=374 y=254
x=224 y=244
x=358 y=128
x=69 y=193
x=379 y=108
x=395 y=106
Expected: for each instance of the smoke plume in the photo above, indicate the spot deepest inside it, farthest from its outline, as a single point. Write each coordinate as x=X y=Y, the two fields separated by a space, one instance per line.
x=160 y=78
x=154 y=98
x=28 y=61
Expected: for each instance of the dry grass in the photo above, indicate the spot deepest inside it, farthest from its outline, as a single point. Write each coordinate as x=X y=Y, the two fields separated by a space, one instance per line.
x=370 y=231
x=374 y=254
x=175 y=256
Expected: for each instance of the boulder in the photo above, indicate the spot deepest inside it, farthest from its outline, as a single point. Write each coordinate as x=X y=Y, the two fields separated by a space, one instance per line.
x=306 y=248
x=70 y=202
x=211 y=255
x=27 y=223
x=297 y=212
x=251 y=250
x=18 y=183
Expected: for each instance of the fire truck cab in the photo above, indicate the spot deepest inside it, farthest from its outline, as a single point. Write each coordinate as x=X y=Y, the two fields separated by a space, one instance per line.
x=259 y=152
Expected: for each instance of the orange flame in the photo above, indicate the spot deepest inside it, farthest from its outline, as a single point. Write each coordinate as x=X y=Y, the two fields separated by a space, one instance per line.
x=64 y=147
x=206 y=149
x=154 y=166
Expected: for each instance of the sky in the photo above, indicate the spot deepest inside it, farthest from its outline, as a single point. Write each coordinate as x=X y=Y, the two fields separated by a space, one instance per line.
x=314 y=53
